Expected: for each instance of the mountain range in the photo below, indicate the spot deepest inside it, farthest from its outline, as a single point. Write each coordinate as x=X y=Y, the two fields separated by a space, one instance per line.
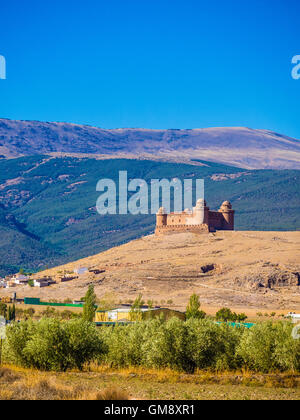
x=235 y=146
x=49 y=172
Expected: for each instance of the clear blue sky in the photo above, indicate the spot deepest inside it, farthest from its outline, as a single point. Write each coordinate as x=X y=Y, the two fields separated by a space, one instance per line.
x=152 y=64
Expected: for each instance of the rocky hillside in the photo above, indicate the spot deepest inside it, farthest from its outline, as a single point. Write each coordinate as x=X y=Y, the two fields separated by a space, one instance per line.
x=237 y=146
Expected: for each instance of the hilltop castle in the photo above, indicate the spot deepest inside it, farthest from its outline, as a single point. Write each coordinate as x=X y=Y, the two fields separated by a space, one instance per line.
x=199 y=219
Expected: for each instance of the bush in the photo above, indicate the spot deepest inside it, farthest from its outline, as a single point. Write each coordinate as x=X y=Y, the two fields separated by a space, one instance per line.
x=213 y=346
x=267 y=347
x=124 y=344
x=53 y=345
x=166 y=344
x=225 y=315
x=17 y=337
x=48 y=347
x=84 y=342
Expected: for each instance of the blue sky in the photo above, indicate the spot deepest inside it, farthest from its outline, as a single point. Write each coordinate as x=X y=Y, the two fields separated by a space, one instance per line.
x=152 y=64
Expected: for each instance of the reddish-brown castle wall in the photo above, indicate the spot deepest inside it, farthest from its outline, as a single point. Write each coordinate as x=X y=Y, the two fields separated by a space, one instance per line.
x=177 y=222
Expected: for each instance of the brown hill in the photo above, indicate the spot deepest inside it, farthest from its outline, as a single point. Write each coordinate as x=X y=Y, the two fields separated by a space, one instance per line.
x=248 y=271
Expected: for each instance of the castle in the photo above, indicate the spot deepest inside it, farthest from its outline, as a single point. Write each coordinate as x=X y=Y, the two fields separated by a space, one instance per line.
x=199 y=219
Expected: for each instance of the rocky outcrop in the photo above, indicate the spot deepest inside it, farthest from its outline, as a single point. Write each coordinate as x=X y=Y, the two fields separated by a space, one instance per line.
x=272 y=277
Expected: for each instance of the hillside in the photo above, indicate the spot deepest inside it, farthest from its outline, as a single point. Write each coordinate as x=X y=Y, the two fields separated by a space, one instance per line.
x=51 y=204
x=253 y=270
x=236 y=146
x=18 y=245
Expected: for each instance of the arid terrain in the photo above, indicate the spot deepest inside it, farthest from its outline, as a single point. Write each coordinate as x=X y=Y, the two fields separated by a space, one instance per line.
x=249 y=271
x=103 y=383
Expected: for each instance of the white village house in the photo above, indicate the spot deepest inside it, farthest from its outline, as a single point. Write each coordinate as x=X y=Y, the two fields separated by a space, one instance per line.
x=81 y=270
x=19 y=279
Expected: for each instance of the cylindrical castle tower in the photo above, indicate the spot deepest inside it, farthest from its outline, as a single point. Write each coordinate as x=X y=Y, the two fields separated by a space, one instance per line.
x=228 y=216
x=161 y=217
x=201 y=212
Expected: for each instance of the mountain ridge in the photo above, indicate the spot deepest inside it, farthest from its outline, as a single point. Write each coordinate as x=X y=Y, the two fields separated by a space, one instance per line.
x=236 y=146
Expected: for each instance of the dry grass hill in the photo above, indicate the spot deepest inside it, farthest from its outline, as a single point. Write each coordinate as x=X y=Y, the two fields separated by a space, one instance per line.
x=247 y=271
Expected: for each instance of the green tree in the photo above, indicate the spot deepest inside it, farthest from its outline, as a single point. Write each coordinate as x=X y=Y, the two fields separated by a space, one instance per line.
x=85 y=343
x=241 y=317
x=51 y=344
x=135 y=311
x=150 y=303
x=50 y=312
x=11 y=313
x=193 y=308
x=89 y=307
x=225 y=314
x=3 y=309
x=28 y=313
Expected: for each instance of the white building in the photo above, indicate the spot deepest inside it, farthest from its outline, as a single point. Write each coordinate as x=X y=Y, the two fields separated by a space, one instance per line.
x=81 y=270
x=20 y=279
x=40 y=283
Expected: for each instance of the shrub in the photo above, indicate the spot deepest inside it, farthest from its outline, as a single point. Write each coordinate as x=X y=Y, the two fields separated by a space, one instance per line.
x=213 y=346
x=166 y=345
x=124 y=344
x=225 y=315
x=268 y=347
x=51 y=344
x=48 y=347
x=84 y=342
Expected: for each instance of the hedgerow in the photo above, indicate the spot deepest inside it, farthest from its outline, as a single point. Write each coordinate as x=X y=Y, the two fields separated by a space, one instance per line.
x=52 y=344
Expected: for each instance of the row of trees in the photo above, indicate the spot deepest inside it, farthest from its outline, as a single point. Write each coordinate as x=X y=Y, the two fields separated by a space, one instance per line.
x=90 y=306
x=51 y=344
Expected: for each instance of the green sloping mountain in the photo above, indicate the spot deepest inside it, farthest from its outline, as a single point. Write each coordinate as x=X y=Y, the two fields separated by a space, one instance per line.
x=18 y=246
x=51 y=204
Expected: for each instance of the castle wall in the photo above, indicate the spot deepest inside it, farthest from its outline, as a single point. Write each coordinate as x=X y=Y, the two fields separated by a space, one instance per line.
x=201 y=219
x=215 y=219
x=182 y=228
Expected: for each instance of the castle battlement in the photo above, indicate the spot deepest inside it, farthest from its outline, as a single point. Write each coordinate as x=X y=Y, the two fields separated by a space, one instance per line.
x=198 y=220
